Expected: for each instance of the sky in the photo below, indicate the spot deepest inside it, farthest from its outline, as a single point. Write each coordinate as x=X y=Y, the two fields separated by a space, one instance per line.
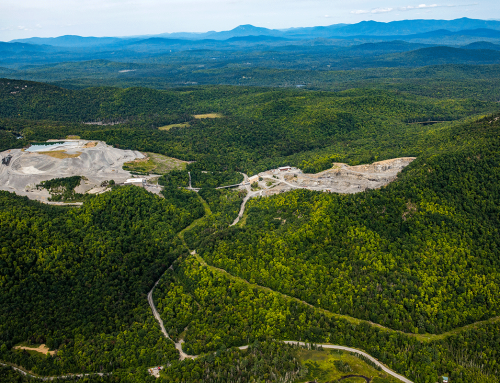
x=50 y=18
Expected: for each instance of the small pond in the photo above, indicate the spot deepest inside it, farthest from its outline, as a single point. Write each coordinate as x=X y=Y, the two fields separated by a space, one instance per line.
x=50 y=146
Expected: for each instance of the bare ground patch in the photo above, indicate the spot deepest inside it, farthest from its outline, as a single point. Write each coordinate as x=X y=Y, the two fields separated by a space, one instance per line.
x=60 y=154
x=207 y=115
x=155 y=163
x=97 y=164
x=91 y=144
x=41 y=349
x=168 y=127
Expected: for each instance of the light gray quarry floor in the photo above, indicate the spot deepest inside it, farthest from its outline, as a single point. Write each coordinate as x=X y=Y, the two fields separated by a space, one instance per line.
x=94 y=160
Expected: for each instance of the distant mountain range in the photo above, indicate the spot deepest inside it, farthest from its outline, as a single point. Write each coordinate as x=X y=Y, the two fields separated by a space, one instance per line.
x=439 y=33
x=483 y=45
x=417 y=28
x=70 y=41
x=341 y=46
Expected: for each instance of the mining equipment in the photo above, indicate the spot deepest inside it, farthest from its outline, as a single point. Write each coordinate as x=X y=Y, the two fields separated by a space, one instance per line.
x=6 y=160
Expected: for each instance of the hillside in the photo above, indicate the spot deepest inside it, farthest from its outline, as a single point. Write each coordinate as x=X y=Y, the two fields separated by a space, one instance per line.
x=373 y=256
x=483 y=45
x=440 y=55
x=406 y=273
x=322 y=48
x=261 y=128
x=80 y=282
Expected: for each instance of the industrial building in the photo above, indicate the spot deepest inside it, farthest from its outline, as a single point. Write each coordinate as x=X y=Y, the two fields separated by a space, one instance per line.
x=136 y=182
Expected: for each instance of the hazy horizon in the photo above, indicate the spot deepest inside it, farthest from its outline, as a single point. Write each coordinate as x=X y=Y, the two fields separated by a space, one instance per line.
x=30 y=18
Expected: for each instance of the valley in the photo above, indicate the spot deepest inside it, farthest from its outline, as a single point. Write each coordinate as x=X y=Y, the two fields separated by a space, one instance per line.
x=223 y=220
x=306 y=205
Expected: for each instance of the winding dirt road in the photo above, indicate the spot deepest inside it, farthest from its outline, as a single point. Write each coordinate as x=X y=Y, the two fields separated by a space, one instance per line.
x=242 y=208
x=46 y=378
x=183 y=355
x=178 y=345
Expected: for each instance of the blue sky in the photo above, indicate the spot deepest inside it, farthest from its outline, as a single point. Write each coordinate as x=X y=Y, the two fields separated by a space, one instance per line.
x=48 y=18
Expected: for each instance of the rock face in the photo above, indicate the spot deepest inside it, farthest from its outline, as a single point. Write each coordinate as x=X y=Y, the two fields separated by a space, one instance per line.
x=341 y=178
x=94 y=160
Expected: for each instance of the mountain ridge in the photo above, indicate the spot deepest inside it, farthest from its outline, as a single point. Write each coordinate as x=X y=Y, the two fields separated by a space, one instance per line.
x=372 y=28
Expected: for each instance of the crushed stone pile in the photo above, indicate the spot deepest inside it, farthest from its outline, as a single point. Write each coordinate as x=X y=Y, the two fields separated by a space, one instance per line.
x=94 y=160
x=341 y=178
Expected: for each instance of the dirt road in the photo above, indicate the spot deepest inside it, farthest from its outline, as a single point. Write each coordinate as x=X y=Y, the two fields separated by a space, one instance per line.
x=178 y=345
x=183 y=355
x=47 y=378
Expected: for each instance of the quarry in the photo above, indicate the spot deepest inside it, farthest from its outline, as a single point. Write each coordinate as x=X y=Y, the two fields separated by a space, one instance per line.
x=94 y=160
x=340 y=178
x=21 y=170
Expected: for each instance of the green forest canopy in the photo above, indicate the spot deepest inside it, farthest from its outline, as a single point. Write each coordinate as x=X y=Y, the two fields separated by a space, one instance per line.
x=263 y=127
x=419 y=255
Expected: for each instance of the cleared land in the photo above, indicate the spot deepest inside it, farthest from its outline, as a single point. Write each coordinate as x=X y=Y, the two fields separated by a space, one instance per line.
x=61 y=154
x=42 y=349
x=168 y=127
x=208 y=115
x=341 y=178
x=154 y=164
x=326 y=366
x=91 y=144
x=187 y=125
x=94 y=160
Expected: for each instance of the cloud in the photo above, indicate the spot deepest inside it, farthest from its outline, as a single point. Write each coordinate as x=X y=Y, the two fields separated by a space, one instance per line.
x=403 y=9
x=410 y=7
x=23 y=28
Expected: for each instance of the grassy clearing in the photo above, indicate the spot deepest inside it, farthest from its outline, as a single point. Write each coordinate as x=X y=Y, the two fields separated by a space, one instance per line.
x=154 y=163
x=205 y=205
x=154 y=180
x=187 y=125
x=190 y=227
x=60 y=154
x=208 y=115
x=243 y=220
x=72 y=137
x=326 y=366
x=168 y=127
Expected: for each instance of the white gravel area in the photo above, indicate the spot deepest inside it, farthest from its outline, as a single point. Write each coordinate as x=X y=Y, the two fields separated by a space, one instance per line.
x=94 y=160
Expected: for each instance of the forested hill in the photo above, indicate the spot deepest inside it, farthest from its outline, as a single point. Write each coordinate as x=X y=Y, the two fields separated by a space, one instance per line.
x=77 y=280
x=420 y=255
x=257 y=128
x=396 y=272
